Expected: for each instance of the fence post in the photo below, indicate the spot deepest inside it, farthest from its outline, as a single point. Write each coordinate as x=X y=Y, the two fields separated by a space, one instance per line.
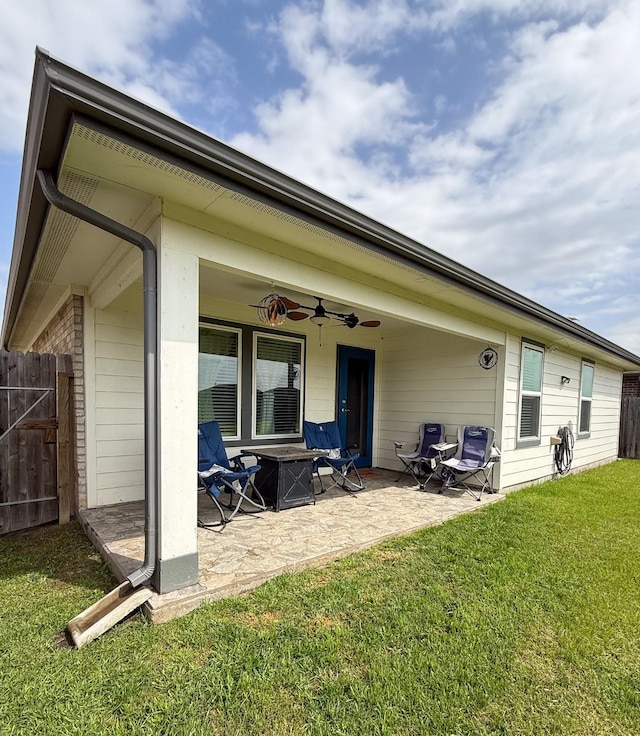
x=65 y=448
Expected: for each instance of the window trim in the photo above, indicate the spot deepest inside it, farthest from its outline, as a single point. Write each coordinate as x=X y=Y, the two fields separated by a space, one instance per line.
x=537 y=439
x=257 y=334
x=585 y=362
x=238 y=332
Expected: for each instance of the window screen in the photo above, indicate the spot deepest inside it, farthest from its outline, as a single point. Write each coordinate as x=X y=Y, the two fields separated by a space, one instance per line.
x=218 y=378
x=278 y=378
x=530 y=391
x=586 y=395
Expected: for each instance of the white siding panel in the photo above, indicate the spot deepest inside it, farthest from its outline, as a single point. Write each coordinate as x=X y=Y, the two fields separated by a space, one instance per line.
x=123 y=368
x=118 y=351
x=129 y=384
x=120 y=448
x=126 y=479
x=118 y=335
x=120 y=432
x=119 y=406
x=120 y=463
x=119 y=416
x=120 y=400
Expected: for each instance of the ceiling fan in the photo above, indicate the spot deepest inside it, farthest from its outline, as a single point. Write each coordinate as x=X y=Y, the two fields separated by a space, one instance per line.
x=321 y=316
x=274 y=309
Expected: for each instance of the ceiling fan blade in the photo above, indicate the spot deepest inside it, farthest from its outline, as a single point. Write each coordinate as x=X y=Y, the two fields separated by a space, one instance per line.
x=371 y=323
x=296 y=316
x=288 y=303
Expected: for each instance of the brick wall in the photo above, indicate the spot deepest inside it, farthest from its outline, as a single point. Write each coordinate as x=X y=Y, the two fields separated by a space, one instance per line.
x=630 y=384
x=64 y=334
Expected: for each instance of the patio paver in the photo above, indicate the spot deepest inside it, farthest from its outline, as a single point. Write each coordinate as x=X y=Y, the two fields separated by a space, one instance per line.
x=254 y=548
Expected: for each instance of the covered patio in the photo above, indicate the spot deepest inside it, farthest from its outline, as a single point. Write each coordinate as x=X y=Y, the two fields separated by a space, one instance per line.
x=254 y=548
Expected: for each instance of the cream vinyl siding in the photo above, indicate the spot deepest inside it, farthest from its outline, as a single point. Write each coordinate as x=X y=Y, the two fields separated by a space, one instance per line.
x=560 y=404
x=430 y=376
x=119 y=406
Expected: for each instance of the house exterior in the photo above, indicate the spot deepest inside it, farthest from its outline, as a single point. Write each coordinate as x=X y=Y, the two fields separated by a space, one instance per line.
x=226 y=231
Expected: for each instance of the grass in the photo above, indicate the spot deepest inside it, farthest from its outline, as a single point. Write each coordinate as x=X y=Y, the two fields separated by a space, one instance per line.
x=522 y=618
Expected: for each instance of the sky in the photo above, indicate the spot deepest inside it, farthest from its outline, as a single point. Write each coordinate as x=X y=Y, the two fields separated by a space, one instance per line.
x=504 y=134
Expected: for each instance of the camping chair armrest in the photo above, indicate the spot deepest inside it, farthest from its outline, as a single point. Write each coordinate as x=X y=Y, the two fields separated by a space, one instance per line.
x=444 y=446
x=236 y=461
x=409 y=443
x=246 y=453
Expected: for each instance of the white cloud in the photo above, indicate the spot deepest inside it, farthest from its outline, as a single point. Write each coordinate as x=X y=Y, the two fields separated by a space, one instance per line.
x=111 y=40
x=318 y=131
x=626 y=332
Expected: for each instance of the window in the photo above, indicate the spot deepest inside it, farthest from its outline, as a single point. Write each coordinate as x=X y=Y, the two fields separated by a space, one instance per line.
x=586 y=396
x=277 y=379
x=531 y=369
x=250 y=382
x=219 y=378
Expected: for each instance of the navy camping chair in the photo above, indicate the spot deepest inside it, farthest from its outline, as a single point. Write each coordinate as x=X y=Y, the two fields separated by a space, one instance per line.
x=217 y=475
x=471 y=466
x=422 y=462
x=325 y=436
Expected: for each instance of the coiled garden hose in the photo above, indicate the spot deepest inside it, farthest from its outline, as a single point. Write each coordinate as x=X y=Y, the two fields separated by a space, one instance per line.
x=563 y=453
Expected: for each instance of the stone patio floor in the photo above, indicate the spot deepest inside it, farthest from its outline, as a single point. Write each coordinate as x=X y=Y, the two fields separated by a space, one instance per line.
x=254 y=548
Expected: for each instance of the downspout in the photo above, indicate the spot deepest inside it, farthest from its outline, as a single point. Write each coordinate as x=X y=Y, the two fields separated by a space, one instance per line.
x=149 y=275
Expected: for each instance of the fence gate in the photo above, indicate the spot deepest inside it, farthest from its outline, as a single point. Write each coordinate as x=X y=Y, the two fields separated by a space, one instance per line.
x=35 y=439
x=630 y=427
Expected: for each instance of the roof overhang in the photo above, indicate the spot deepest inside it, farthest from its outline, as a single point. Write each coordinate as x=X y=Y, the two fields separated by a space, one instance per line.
x=61 y=97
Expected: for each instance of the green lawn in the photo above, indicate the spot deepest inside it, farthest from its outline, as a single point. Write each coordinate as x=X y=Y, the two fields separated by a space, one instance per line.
x=523 y=618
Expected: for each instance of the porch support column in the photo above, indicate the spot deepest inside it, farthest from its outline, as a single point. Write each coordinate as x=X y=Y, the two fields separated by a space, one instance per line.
x=177 y=543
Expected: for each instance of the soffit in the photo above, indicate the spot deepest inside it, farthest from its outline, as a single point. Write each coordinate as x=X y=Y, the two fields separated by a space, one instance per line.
x=71 y=252
x=96 y=154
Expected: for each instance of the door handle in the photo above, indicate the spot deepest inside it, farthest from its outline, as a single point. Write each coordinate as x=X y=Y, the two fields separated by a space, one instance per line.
x=343 y=409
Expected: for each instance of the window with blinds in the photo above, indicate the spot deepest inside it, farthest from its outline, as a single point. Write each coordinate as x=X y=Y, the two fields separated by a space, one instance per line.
x=219 y=378
x=277 y=386
x=586 y=396
x=531 y=370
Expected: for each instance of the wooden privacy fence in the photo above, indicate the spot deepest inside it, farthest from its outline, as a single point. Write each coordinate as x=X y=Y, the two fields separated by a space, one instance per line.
x=36 y=447
x=630 y=427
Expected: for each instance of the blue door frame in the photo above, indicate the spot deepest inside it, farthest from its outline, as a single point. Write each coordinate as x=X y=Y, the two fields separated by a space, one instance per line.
x=355 y=400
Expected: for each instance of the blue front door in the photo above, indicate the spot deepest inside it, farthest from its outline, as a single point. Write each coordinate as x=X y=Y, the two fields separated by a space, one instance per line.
x=355 y=400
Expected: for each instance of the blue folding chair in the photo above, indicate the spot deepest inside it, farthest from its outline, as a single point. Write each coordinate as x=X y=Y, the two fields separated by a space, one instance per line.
x=325 y=436
x=217 y=475
x=422 y=462
x=473 y=459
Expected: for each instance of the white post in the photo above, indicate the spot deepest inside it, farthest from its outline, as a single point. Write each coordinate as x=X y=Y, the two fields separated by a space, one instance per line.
x=177 y=548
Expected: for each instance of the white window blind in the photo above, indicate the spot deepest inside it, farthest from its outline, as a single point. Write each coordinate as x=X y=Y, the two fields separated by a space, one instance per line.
x=218 y=378
x=530 y=391
x=278 y=379
x=586 y=396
